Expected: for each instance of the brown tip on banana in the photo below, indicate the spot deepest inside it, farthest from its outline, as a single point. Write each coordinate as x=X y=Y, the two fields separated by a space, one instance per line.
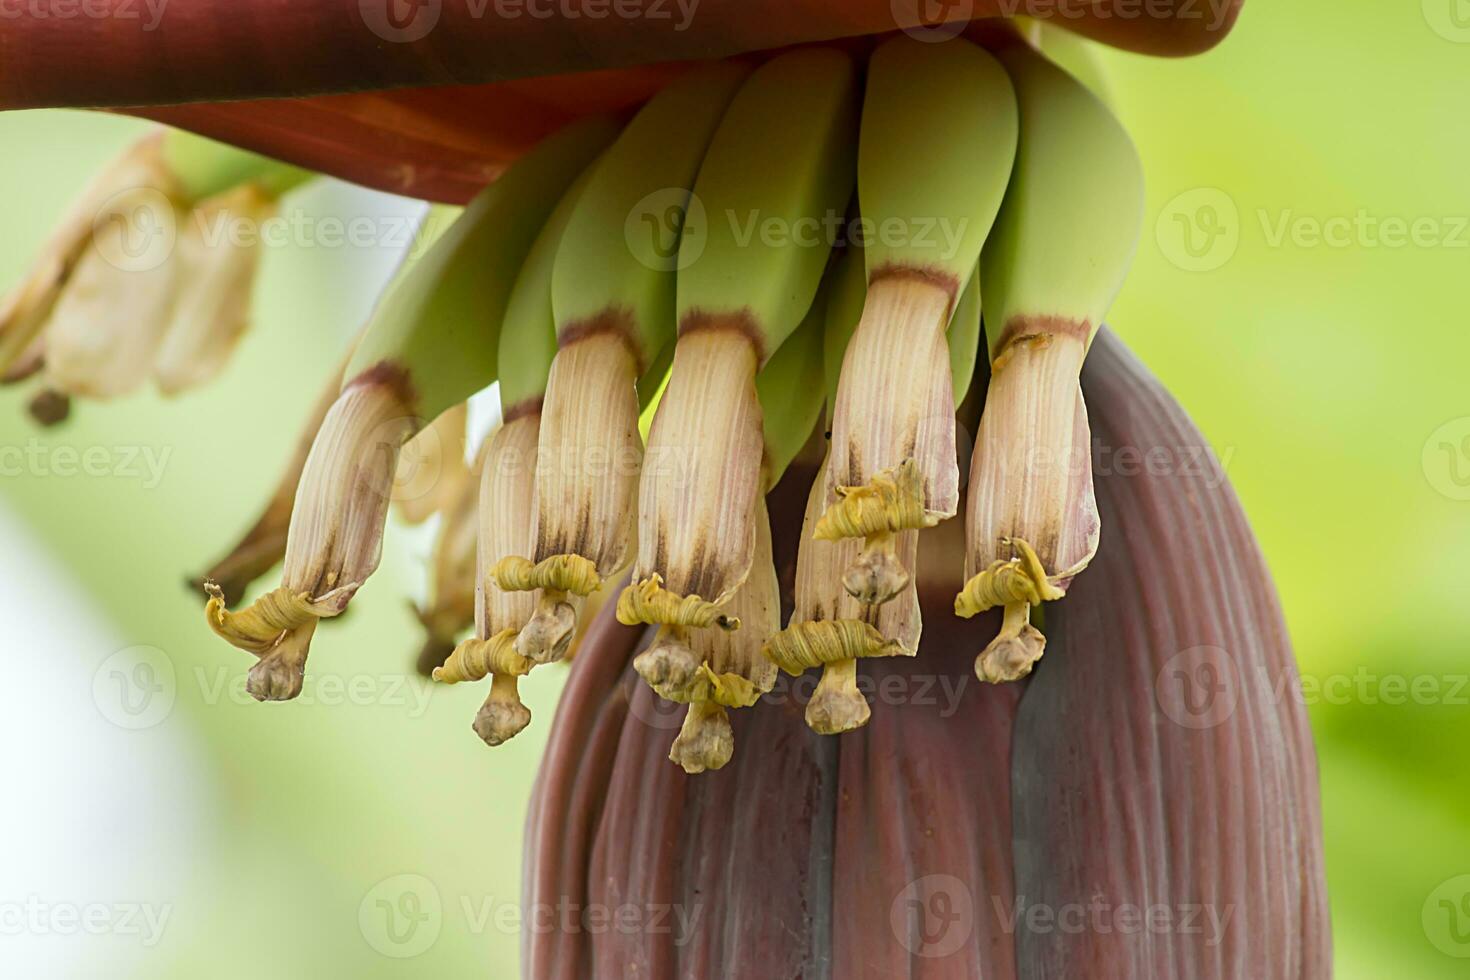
x=705 y=740
x=1014 y=651
x=502 y=717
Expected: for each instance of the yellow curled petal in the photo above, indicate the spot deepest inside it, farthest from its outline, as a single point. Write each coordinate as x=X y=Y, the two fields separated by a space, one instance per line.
x=559 y=573
x=475 y=658
x=815 y=644
x=1021 y=579
x=730 y=690
x=890 y=501
x=257 y=628
x=649 y=602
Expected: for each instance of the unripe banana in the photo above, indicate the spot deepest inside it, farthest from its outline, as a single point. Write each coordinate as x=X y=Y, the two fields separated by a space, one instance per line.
x=729 y=668
x=893 y=465
x=614 y=310
x=1051 y=269
x=506 y=494
x=432 y=342
x=264 y=545
x=829 y=628
x=742 y=292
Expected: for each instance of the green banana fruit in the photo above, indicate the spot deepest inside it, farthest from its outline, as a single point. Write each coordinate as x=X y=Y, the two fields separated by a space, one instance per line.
x=892 y=466
x=613 y=297
x=742 y=291
x=506 y=492
x=1056 y=261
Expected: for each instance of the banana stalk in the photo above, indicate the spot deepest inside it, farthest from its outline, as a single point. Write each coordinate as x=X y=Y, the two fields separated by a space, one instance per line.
x=613 y=294
x=1057 y=259
x=893 y=466
x=432 y=342
x=506 y=495
x=741 y=294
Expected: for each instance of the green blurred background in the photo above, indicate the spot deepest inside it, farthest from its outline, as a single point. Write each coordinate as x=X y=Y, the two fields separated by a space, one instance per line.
x=1301 y=287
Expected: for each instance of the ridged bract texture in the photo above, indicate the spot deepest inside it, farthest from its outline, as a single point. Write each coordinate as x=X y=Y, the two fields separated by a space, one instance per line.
x=924 y=844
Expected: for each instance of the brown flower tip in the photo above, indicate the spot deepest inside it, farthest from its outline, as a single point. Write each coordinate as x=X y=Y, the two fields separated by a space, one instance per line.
x=669 y=665
x=50 y=407
x=502 y=717
x=705 y=740
x=1014 y=651
x=279 y=674
x=278 y=630
x=837 y=706
x=834 y=645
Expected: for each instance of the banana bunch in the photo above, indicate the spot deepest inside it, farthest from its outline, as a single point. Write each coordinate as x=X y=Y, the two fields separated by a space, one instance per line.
x=432 y=342
x=756 y=251
x=149 y=274
x=612 y=294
